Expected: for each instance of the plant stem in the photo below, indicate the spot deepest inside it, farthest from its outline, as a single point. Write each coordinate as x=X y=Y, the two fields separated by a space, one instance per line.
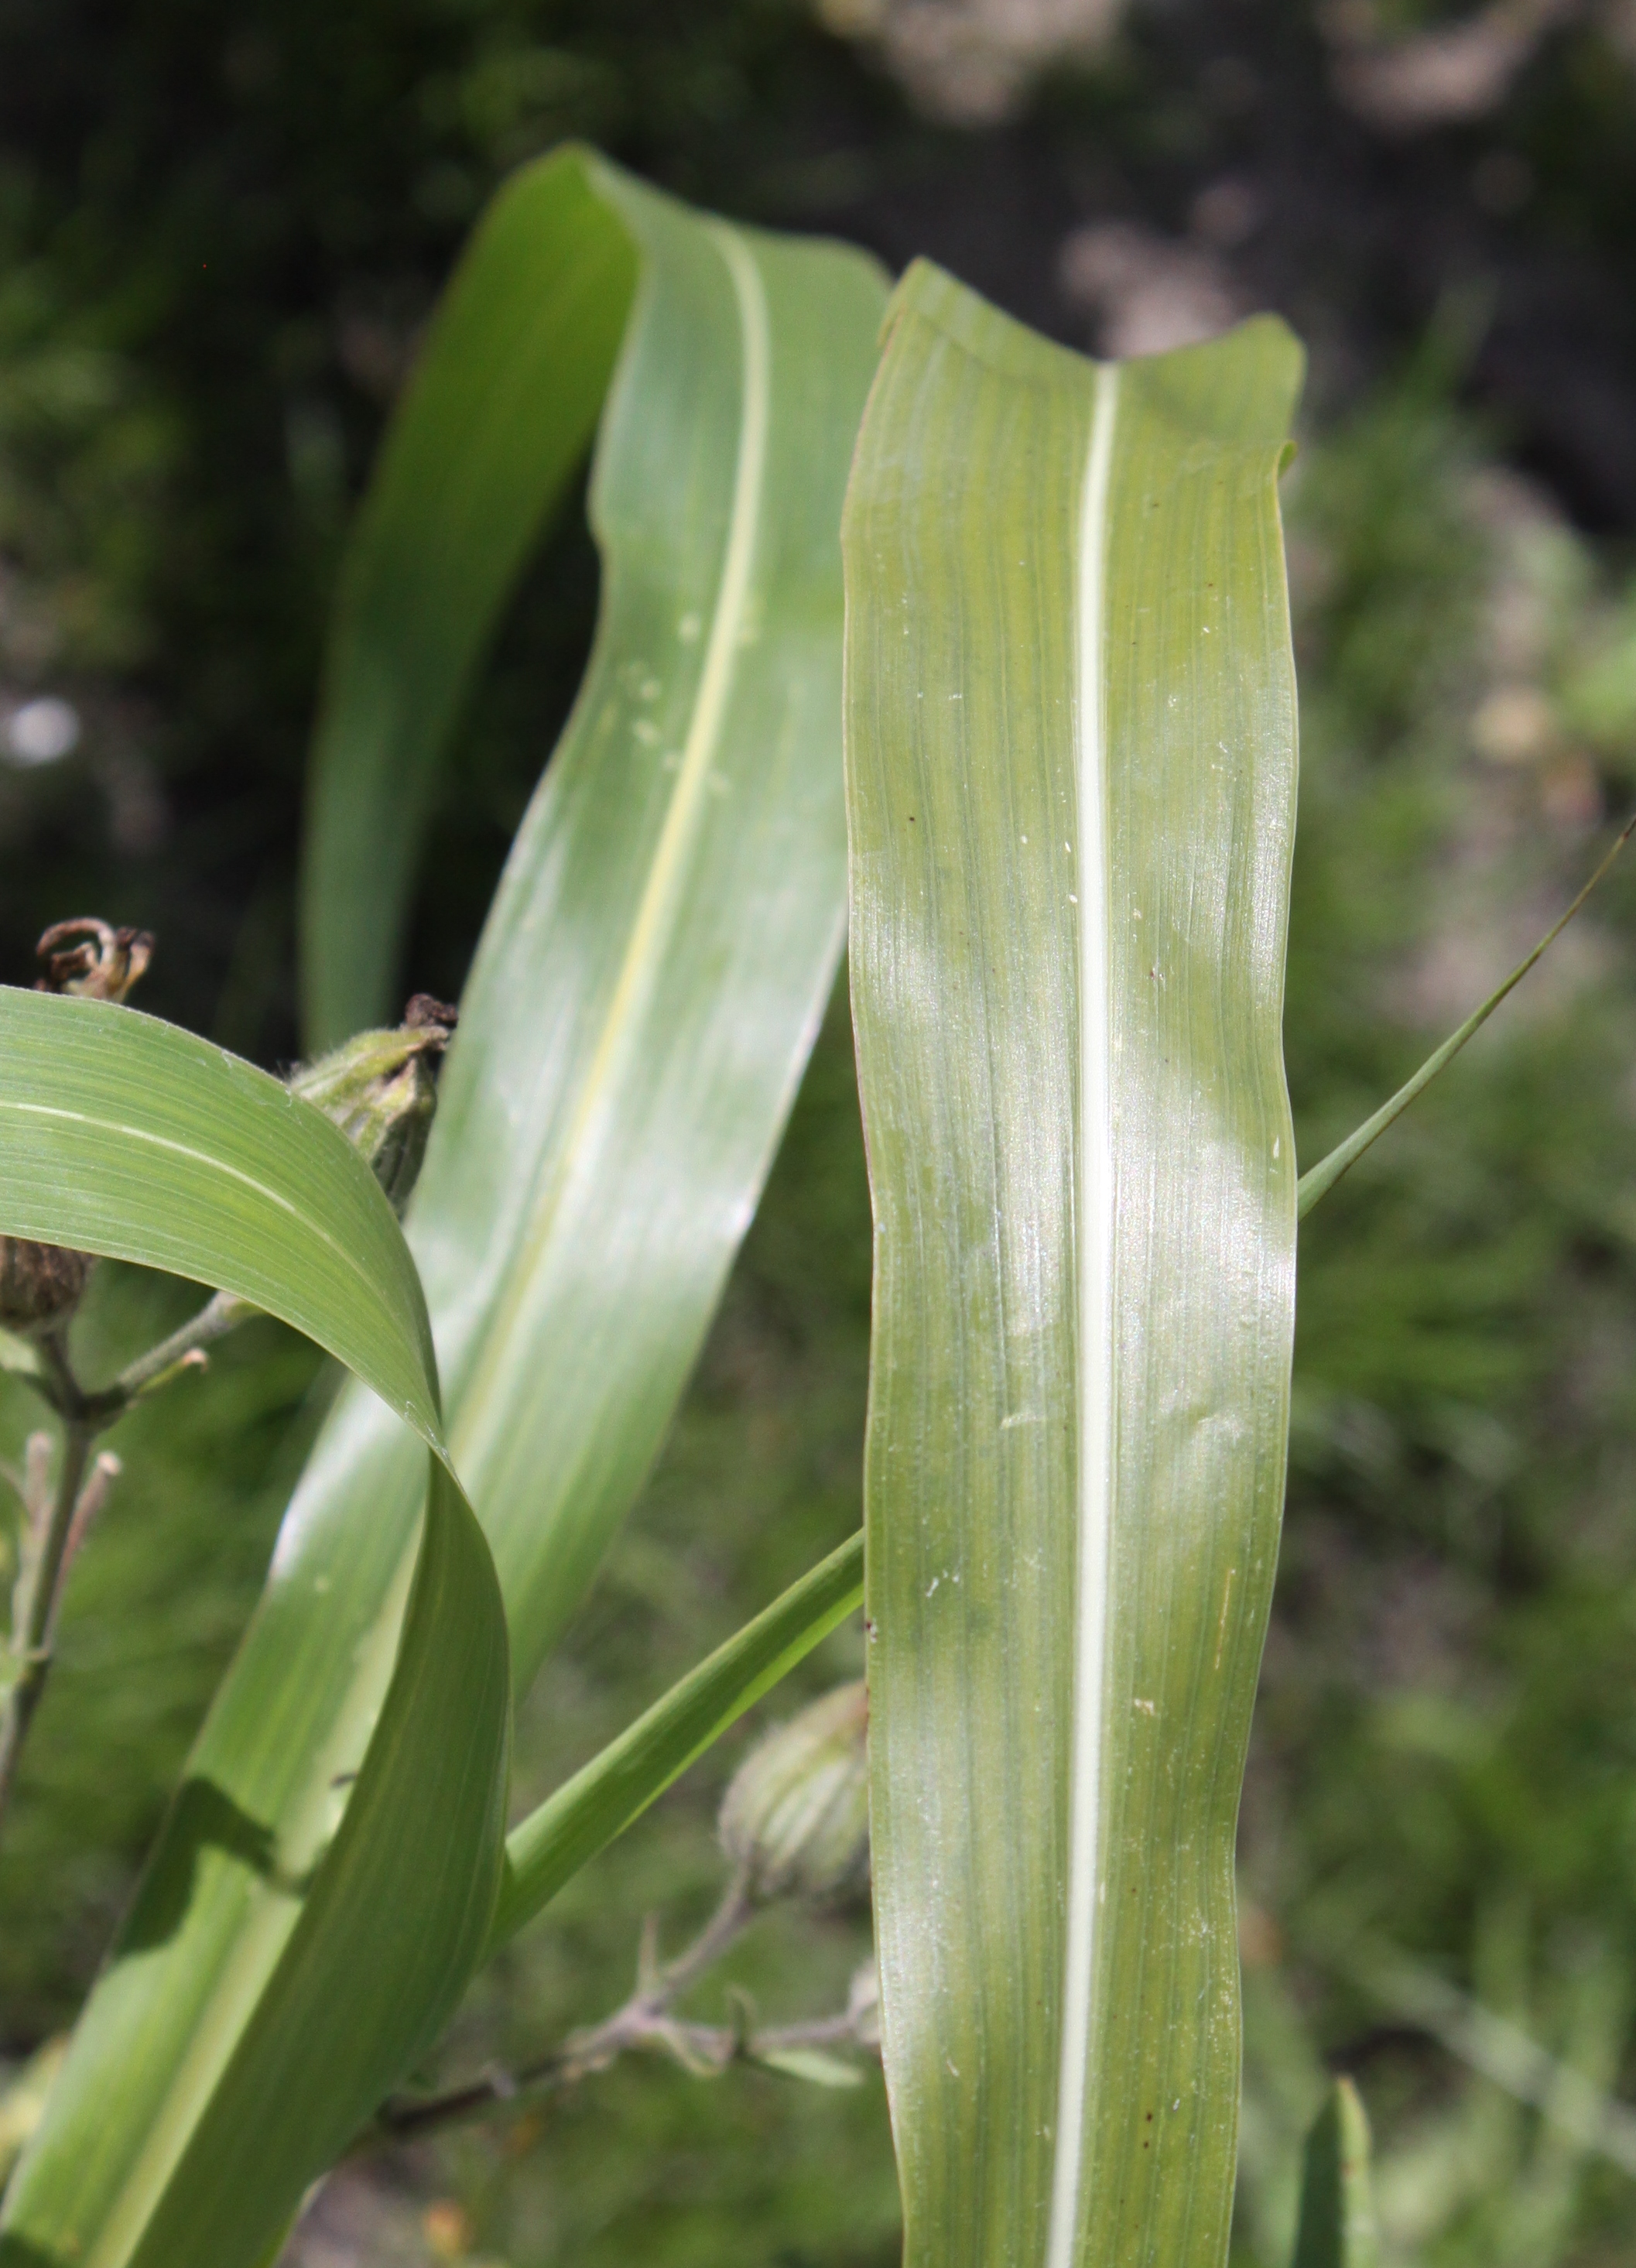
x=645 y=2022
x=213 y=1321
x=663 y=1987
x=54 y=1519
x=39 y=1587
x=183 y=1350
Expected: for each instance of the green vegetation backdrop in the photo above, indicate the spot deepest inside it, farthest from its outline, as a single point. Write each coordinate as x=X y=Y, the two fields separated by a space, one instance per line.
x=218 y=233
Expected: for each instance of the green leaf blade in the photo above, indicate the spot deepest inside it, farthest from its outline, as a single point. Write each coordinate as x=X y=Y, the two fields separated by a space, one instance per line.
x=499 y=410
x=1072 y=794
x=123 y=1136
x=549 y=1847
x=666 y=935
x=1337 y=2226
x=1317 y=1183
x=356 y=1974
x=638 y=1015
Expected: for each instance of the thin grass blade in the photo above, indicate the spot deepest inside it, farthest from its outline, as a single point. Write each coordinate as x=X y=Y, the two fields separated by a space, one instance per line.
x=602 y=1799
x=1319 y=1180
x=1071 y=772
x=1337 y=2226
x=1500 y=2050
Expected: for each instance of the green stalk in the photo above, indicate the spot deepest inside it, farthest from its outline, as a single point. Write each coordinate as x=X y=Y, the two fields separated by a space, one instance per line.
x=40 y=1589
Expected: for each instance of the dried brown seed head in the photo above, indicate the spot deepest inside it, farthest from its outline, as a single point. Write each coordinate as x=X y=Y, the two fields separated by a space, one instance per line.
x=93 y=958
x=41 y=1285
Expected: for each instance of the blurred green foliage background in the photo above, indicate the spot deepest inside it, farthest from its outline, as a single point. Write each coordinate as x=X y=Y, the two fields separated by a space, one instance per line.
x=219 y=232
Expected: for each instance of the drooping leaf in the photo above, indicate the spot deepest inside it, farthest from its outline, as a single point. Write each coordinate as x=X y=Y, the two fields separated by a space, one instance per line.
x=500 y=409
x=1337 y=2227
x=1071 y=772
x=665 y=938
x=124 y=1136
x=643 y=1002
x=547 y=1848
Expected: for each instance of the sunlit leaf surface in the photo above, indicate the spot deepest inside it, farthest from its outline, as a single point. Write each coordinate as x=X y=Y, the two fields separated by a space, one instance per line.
x=641 y=1004
x=1072 y=773
x=122 y=1135
x=361 y=1915
x=500 y=411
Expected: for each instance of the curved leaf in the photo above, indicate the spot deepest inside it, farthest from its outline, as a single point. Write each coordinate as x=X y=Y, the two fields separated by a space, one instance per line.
x=1071 y=772
x=122 y=1135
x=643 y=1002
x=499 y=411
x=666 y=935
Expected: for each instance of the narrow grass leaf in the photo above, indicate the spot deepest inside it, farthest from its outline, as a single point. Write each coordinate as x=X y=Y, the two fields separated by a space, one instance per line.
x=813 y=2065
x=547 y=1848
x=1337 y=2226
x=1500 y=2050
x=1319 y=1180
x=1071 y=772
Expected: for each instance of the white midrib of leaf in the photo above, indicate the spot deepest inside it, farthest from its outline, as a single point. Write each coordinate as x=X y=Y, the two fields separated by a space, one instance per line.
x=236 y=1990
x=483 y=1407
x=1093 y=1261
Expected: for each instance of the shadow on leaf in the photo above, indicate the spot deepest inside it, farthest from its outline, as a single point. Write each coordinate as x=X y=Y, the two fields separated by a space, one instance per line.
x=202 y=1818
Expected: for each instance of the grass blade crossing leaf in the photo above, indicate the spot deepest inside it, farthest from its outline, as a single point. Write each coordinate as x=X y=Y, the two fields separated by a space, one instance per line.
x=124 y=1136
x=1071 y=773
x=1337 y=2227
x=642 y=1004
x=1319 y=1180
x=499 y=412
x=547 y=1848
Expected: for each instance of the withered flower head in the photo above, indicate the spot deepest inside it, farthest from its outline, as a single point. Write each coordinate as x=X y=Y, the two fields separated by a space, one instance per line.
x=41 y=1285
x=90 y=958
x=381 y=1089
